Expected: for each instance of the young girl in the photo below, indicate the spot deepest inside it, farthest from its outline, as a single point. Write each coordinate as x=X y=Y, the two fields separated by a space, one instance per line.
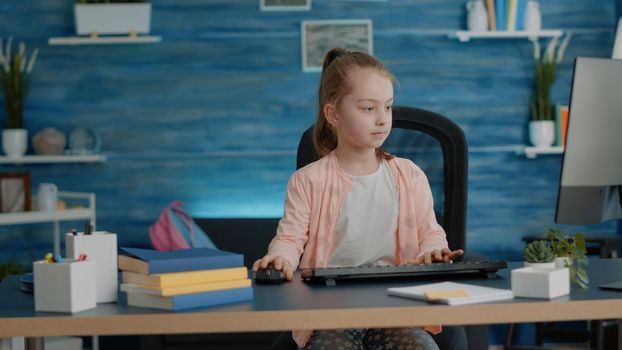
x=357 y=204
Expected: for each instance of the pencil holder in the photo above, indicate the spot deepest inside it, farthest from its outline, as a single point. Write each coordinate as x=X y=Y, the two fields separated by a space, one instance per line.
x=68 y=286
x=100 y=246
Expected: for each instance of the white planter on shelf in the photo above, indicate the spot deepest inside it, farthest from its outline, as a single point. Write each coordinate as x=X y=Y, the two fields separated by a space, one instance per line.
x=118 y=18
x=534 y=282
x=542 y=133
x=14 y=142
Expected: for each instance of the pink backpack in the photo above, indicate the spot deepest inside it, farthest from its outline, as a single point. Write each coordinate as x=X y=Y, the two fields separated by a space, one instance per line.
x=175 y=230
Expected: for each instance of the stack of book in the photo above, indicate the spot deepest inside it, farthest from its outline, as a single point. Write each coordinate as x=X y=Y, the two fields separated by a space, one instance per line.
x=506 y=15
x=183 y=279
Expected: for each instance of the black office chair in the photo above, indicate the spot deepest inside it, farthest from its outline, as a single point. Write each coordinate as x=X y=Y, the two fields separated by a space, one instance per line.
x=438 y=146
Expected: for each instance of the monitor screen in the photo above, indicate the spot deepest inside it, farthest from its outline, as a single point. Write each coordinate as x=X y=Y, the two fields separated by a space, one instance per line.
x=591 y=172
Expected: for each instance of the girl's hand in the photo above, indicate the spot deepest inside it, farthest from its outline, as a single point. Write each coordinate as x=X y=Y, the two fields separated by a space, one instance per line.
x=279 y=263
x=443 y=255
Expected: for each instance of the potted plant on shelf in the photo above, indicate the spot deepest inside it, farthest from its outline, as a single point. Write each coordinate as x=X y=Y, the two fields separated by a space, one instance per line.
x=539 y=254
x=15 y=76
x=570 y=253
x=121 y=17
x=542 y=124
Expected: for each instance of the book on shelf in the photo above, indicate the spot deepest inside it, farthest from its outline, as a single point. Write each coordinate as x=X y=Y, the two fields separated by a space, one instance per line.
x=492 y=17
x=190 y=301
x=561 y=124
x=520 y=14
x=564 y=112
x=500 y=14
x=173 y=279
x=148 y=261
x=185 y=289
x=511 y=15
x=452 y=293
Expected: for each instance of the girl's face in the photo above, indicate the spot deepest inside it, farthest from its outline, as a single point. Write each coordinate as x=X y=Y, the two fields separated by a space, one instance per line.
x=363 y=118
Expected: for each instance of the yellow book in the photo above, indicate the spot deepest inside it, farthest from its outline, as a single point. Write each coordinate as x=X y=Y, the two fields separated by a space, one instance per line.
x=511 y=15
x=186 y=289
x=173 y=279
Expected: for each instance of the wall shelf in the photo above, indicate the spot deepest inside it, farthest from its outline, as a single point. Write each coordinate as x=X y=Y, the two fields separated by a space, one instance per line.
x=104 y=40
x=67 y=158
x=86 y=211
x=465 y=35
x=533 y=152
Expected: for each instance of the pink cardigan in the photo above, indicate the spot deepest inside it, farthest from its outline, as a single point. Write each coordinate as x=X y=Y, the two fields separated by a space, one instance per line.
x=313 y=200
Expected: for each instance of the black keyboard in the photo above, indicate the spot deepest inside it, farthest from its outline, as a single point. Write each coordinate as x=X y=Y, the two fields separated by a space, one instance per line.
x=331 y=274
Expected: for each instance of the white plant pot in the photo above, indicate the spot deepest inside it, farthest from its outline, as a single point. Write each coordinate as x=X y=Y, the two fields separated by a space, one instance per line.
x=533 y=282
x=542 y=133
x=548 y=265
x=14 y=142
x=112 y=18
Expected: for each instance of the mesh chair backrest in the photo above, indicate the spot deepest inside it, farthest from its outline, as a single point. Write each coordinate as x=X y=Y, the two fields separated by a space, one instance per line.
x=425 y=151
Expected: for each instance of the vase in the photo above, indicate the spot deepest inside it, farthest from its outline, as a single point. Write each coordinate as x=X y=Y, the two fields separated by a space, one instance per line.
x=533 y=19
x=477 y=18
x=14 y=142
x=542 y=133
x=49 y=141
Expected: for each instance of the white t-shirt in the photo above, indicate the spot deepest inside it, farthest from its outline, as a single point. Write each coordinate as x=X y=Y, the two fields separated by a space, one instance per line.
x=365 y=232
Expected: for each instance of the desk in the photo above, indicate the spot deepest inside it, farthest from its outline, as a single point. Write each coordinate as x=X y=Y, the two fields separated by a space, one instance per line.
x=302 y=306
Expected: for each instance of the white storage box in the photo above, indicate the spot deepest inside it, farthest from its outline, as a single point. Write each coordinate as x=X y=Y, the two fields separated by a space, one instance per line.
x=533 y=282
x=116 y=18
x=68 y=286
x=100 y=246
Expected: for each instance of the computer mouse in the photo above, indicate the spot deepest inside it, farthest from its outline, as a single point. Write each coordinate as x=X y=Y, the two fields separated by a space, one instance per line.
x=269 y=276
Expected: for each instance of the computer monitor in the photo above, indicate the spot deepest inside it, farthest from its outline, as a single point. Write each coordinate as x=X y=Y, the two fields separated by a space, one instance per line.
x=617 y=42
x=591 y=172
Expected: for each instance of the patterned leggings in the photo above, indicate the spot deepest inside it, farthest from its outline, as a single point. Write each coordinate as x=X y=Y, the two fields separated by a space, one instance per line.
x=371 y=339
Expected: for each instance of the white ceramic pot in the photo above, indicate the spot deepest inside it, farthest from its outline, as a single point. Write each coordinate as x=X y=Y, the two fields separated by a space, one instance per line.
x=548 y=265
x=47 y=198
x=14 y=142
x=477 y=18
x=533 y=20
x=542 y=133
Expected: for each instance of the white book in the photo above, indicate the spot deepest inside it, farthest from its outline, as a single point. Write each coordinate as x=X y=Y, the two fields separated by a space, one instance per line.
x=452 y=293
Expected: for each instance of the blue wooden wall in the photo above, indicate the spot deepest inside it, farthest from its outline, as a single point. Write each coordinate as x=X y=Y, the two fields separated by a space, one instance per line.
x=212 y=115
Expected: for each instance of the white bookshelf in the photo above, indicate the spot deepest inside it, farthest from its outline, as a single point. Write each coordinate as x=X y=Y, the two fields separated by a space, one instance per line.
x=466 y=35
x=104 y=40
x=533 y=152
x=85 y=212
x=65 y=158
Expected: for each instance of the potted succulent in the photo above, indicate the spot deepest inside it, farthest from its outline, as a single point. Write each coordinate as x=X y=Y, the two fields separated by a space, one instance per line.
x=539 y=254
x=542 y=124
x=570 y=253
x=127 y=17
x=540 y=278
x=15 y=75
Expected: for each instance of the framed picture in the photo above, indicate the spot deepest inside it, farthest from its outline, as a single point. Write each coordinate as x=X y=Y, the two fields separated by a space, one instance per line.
x=284 y=5
x=319 y=36
x=15 y=193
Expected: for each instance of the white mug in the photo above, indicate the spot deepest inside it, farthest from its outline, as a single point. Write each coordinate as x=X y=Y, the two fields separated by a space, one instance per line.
x=47 y=197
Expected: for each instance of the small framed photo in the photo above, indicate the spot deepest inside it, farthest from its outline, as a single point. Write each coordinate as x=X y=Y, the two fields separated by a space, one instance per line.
x=319 y=36
x=15 y=192
x=284 y=5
